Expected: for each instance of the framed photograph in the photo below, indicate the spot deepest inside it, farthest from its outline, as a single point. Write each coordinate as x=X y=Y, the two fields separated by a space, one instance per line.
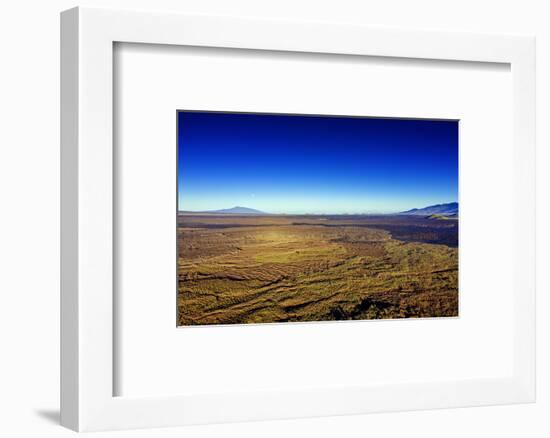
x=274 y=219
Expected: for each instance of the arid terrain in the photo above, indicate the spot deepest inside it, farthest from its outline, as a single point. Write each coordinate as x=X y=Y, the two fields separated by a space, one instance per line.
x=262 y=269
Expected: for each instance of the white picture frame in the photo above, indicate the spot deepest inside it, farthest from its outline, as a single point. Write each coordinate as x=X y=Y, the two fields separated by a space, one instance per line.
x=87 y=342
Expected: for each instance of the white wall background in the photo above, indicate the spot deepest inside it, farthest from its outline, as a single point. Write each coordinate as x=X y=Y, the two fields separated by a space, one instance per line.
x=29 y=218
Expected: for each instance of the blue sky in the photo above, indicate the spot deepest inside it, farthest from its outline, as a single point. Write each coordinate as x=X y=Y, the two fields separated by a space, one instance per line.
x=308 y=164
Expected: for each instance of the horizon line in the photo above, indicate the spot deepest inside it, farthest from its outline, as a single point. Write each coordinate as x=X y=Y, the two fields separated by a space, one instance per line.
x=261 y=212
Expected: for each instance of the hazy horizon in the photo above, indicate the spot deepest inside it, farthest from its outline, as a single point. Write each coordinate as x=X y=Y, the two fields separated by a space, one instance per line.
x=309 y=213
x=289 y=164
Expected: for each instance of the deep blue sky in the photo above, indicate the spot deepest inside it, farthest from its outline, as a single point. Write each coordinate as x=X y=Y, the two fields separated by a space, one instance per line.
x=308 y=164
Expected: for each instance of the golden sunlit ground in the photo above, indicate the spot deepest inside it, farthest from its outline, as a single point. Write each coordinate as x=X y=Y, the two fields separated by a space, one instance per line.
x=238 y=269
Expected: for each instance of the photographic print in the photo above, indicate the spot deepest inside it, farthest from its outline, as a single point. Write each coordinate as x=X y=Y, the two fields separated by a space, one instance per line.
x=296 y=218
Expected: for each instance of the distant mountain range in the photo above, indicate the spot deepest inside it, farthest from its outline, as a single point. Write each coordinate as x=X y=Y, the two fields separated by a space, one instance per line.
x=450 y=209
x=447 y=210
x=234 y=210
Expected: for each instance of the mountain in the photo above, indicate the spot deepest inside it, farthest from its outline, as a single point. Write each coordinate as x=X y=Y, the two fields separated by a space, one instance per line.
x=441 y=209
x=234 y=210
x=238 y=210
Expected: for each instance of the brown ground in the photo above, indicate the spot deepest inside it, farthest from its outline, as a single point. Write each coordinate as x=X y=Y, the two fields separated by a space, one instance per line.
x=251 y=269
